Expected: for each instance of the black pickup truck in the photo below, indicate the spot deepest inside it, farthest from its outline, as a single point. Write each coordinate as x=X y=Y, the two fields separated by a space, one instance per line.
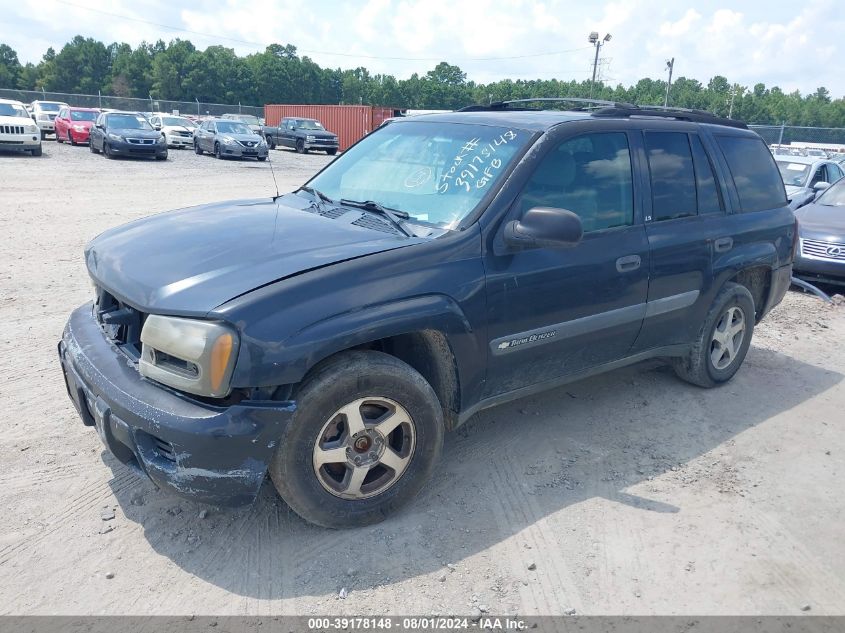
x=330 y=337
x=301 y=134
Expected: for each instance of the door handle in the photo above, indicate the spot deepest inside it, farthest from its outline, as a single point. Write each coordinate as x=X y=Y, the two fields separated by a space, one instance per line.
x=723 y=244
x=628 y=263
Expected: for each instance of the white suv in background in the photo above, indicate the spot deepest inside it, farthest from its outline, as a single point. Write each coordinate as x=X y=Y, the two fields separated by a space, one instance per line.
x=177 y=130
x=44 y=114
x=17 y=131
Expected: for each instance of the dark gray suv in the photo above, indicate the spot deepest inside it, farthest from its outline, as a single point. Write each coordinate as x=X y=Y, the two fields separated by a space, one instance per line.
x=229 y=139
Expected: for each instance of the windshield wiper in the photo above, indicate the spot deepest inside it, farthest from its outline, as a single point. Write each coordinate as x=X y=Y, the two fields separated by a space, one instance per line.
x=394 y=215
x=319 y=196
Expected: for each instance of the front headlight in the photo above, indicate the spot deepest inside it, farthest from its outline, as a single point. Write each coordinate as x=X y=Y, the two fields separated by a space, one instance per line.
x=310 y=137
x=31 y=129
x=189 y=354
x=43 y=117
x=115 y=137
x=79 y=128
x=161 y=139
x=228 y=140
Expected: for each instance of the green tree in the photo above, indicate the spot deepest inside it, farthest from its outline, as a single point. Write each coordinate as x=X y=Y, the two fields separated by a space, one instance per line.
x=10 y=67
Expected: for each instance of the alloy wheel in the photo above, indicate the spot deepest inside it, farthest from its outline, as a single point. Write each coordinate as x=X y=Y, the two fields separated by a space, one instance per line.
x=727 y=337
x=364 y=448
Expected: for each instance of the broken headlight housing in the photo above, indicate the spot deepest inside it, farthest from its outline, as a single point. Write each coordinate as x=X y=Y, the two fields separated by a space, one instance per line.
x=189 y=354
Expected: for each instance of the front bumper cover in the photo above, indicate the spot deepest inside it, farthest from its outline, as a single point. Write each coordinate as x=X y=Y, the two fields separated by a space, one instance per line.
x=217 y=455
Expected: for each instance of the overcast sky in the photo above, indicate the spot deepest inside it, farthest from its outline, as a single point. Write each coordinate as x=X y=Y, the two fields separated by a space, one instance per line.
x=795 y=45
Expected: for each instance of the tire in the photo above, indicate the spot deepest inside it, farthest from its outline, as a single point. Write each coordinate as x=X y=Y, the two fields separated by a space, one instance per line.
x=717 y=353
x=300 y=146
x=217 y=153
x=43 y=135
x=37 y=151
x=91 y=147
x=374 y=383
x=261 y=158
x=161 y=156
x=106 y=151
x=271 y=144
x=69 y=138
x=331 y=152
x=197 y=149
x=59 y=138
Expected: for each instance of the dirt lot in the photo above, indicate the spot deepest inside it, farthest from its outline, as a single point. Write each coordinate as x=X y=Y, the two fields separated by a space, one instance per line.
x=630 y=493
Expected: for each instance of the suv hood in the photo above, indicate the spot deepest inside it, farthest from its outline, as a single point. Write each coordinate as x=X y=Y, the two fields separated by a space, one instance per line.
x=190 y=261
x=15 y=120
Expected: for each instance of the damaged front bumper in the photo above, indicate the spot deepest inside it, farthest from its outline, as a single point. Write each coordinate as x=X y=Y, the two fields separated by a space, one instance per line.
x=217 y=455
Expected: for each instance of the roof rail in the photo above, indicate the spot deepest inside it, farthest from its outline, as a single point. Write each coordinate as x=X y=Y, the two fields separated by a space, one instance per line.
x=509 y=105
x=681 y=114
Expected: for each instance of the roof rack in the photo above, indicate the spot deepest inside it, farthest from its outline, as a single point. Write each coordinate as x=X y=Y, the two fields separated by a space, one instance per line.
x=509 y=105
x=680 y=114
x=602 y=108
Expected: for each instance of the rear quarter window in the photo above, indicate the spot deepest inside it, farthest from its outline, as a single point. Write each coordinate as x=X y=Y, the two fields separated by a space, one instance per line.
x=755 y=175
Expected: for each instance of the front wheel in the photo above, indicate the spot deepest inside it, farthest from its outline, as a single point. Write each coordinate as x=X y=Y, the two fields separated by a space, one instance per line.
x=331 y=152
x=366 y=435
x=723 y=340
x=262 y=158
x=217 y=153
x=37 y=151
x=271 y=143
x=197 y=149
x=106 y=151
x=70 y=138
x=300 y=146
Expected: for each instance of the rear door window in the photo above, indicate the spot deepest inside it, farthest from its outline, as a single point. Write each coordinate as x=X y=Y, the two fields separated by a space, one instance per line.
x=673 y=182
x=755 y=175
x=707 y=190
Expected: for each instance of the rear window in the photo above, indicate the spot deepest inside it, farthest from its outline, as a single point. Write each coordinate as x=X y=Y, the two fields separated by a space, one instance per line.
x=757 y=179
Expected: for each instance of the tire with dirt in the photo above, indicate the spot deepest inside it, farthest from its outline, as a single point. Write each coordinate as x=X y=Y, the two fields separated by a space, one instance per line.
x=366 y=435
x=723 y=340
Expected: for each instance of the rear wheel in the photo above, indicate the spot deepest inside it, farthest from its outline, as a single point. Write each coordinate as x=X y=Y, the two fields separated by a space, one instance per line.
x=723 y=340
x=366 y=435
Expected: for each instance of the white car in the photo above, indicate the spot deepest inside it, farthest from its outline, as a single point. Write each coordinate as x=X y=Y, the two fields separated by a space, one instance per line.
x=17 y=131
x=177 y=130
x=44 y=114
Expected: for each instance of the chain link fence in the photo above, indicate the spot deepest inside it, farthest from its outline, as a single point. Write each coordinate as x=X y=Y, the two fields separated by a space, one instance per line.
x=830 y=140
x=199 y=108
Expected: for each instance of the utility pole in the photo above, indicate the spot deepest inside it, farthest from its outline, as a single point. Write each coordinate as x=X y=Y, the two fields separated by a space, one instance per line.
x=670 y=65
x=733 y=96
x=598 y=43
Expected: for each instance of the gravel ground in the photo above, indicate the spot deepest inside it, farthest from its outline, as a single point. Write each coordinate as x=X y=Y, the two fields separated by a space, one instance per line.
x=630 y=493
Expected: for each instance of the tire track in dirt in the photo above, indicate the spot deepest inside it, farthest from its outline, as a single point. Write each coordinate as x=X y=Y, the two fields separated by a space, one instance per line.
x=551 y=587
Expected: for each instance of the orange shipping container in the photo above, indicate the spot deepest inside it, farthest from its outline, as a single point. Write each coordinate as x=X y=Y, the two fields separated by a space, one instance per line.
x=350 y=123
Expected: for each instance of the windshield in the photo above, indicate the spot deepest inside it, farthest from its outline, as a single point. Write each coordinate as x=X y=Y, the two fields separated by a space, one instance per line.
x=833 y=196
x=305 y=124
x=175 y=120
x=12 y=109
x=794 y=174
x=232 y=127
x=436 y=172
x=48 y=106
x=83 y=115
x=128 y=122
x=248 y=119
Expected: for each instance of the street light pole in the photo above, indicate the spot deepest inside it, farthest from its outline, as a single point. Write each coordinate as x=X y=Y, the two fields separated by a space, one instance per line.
x=670 y=64
x=598 y=43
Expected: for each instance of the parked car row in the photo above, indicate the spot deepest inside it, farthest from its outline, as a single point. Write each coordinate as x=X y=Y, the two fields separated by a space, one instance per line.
x=815 y=152
x=805 y=177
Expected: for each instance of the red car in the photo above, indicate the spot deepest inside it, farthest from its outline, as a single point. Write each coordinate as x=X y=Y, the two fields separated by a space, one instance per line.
x=74 y=124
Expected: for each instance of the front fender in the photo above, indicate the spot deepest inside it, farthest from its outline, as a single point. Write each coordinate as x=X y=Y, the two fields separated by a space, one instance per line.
x=288 y=361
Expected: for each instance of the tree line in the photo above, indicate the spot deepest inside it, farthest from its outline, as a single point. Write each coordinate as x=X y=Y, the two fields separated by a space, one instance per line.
x=179 y=71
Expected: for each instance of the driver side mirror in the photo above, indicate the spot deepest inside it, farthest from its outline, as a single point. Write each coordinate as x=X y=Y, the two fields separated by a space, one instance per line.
x=821 y=186
x=544 y=227
x=157 y=126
